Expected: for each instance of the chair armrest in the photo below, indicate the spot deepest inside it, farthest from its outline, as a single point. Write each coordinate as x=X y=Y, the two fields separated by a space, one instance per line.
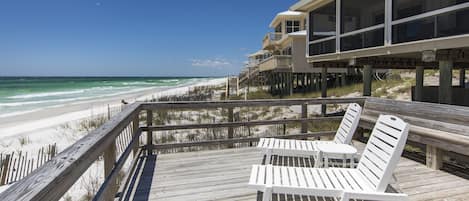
x=374 y=196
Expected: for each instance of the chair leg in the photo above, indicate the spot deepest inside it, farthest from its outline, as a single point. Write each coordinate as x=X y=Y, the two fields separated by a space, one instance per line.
x=267 y=195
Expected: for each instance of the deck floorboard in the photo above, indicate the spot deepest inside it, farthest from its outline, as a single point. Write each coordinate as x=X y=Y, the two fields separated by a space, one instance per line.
x=223 y=175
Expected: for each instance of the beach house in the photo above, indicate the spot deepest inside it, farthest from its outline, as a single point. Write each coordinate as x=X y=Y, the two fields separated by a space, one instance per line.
x=392 y=34
x=282 y=62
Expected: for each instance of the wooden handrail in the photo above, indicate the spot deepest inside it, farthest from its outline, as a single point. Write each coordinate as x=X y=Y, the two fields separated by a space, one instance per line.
x=248 y=103
x=239 y=124
x=52 y=180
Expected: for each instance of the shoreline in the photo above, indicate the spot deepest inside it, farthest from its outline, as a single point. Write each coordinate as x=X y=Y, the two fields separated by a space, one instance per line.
x=45 y=120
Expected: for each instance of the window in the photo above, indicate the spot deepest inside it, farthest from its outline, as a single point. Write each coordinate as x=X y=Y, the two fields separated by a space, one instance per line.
x=454 y=23
x=363 y=40
x=446 y=24
x=322 y=22
x=292 y=26
x=407 y=8
x=324 y=47
x=359 y=14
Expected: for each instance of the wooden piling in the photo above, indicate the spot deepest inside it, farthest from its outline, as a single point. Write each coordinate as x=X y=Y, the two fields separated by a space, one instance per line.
x=367 y=78
x=446 y=79
x=419 y=78
x=323 y=90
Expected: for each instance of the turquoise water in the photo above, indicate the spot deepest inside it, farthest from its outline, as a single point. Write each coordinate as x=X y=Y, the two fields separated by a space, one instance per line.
x=22 y=94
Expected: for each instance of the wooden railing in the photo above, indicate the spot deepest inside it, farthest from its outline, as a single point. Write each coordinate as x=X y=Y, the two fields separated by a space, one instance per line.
x=277 y=62
x=270 y=39
x=52 y=181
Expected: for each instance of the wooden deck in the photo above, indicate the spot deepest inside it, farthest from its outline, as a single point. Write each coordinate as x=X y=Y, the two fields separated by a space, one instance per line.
x=223 y=175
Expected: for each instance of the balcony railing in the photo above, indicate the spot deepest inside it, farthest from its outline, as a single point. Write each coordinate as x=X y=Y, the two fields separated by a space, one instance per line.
x=270 y=39
x=276 y=62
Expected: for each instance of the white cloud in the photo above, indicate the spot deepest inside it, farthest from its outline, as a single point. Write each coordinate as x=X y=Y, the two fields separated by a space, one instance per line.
x=213 y=63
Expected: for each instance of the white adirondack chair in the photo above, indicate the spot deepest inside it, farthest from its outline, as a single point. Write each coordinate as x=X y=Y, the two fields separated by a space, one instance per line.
x=368 y=181
x=306 y=148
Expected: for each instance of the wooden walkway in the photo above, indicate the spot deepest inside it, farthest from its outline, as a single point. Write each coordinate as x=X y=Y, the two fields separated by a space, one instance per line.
x=224 y=174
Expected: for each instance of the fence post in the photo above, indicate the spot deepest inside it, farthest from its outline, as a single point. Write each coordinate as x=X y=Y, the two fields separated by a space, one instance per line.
x=149 y=133
x=230 y=129
x=5 y=169
x=108 y=112
x=109 y=162
x=304 y=115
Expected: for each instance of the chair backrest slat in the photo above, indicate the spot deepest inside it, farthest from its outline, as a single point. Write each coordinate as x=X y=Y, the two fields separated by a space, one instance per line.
x=383 y=151
x=349 y=124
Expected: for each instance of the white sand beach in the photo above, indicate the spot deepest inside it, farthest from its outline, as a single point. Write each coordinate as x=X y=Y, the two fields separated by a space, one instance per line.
x=43 y=127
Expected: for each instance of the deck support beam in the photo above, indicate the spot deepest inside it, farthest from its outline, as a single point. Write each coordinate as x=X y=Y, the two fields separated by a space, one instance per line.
x=323 y=89
x=446 y=81
x=419 y=76
x=367 y=78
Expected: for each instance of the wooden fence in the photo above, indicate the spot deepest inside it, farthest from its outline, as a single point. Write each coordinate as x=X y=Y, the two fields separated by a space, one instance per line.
x=18 y=165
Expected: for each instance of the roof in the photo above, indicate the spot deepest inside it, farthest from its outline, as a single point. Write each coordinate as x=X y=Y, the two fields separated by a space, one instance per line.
x=306 y=5
x=260 y=52
x=283 y=14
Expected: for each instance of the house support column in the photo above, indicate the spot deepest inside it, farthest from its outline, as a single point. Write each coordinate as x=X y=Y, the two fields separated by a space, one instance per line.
x=367 y=77
x=419 y=76
x=317 y=82
x=323 y=90
x=446 y=79
x=462 y=78
x=337 y=80
x=290 y=83
x=343 y=79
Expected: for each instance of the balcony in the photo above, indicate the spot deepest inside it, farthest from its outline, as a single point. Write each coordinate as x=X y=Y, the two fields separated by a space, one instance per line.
x=276 y=62
x=270 y=40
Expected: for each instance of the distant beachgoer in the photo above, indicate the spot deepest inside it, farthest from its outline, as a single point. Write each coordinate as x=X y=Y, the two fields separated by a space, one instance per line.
x=124 y=102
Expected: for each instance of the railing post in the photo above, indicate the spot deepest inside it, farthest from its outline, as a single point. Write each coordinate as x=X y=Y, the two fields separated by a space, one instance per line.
x=434 y=157
x=109 y=162
x=136 y=125
x=149 y=132
x=304 y=115
x=230 y=129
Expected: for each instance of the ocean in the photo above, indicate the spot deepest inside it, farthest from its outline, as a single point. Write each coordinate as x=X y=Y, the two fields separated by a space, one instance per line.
x=19 y=95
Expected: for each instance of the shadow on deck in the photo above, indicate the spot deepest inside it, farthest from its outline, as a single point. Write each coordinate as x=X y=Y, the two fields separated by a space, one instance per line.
x=224 y=174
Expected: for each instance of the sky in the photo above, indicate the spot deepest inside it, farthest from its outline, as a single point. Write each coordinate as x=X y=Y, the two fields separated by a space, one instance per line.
x=132 y=37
